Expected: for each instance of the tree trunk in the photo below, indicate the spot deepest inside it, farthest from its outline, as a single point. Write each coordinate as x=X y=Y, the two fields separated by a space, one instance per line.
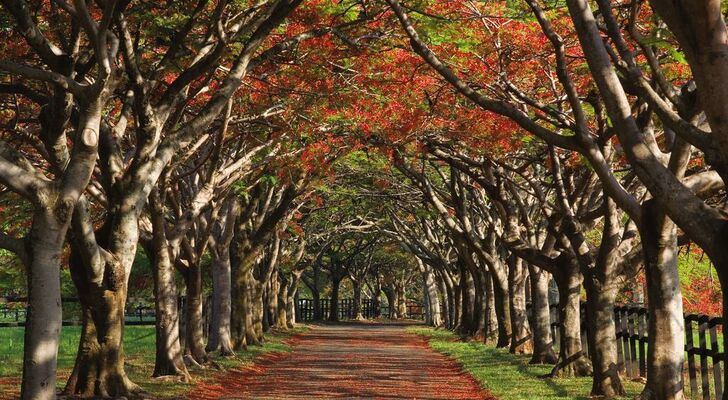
x=502 y=311
x=168 y=360
x=433 y=297
x=357 y=300
x=220 y=335
x=600 y=298
x=291 y=294
x=666 y=326
x=572 y=360
x=467 y=297
x=401 y=301
x=317 y=312
x=272 y=301
x=445 y=294
x=334 y=304
x=521 y=332
x=457 y=306
x=481 y=304
x=44 y=316
x=282 y=299
x=543 y=349
x=391 y=300
x=194 y=326
x=257 y=309
x=491 y=333
x=99 y=368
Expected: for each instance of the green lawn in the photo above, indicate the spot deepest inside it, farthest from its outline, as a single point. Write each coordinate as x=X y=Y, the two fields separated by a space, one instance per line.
x=509 y=376
x=139 y=349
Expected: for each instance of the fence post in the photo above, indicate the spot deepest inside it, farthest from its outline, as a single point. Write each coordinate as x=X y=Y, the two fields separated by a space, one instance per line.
x=642 y=332
x=717 y=356
x=704 y=378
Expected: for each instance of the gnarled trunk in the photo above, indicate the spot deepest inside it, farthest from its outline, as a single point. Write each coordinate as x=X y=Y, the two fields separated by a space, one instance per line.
x=99 y=367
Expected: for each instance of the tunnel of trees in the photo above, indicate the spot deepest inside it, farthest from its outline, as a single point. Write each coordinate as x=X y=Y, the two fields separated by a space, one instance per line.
x=503 y=164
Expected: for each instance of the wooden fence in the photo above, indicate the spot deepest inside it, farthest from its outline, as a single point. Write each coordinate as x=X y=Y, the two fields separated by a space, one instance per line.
x=13 y=312
x=703 y=348
x=306 y=309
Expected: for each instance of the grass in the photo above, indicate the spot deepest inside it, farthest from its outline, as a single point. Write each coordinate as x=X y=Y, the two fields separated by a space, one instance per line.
x=509 y=376
x=139 y=349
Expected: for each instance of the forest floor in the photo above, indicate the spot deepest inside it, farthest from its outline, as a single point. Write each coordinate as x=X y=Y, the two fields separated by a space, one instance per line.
x=349 y=360
x=510 y=376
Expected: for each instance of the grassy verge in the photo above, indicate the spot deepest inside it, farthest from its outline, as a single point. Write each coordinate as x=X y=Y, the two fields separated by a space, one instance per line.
x=509 y=376
x=139 y=349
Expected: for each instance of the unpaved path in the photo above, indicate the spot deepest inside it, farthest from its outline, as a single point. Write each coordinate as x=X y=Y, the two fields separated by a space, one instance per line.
x=377 y=361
